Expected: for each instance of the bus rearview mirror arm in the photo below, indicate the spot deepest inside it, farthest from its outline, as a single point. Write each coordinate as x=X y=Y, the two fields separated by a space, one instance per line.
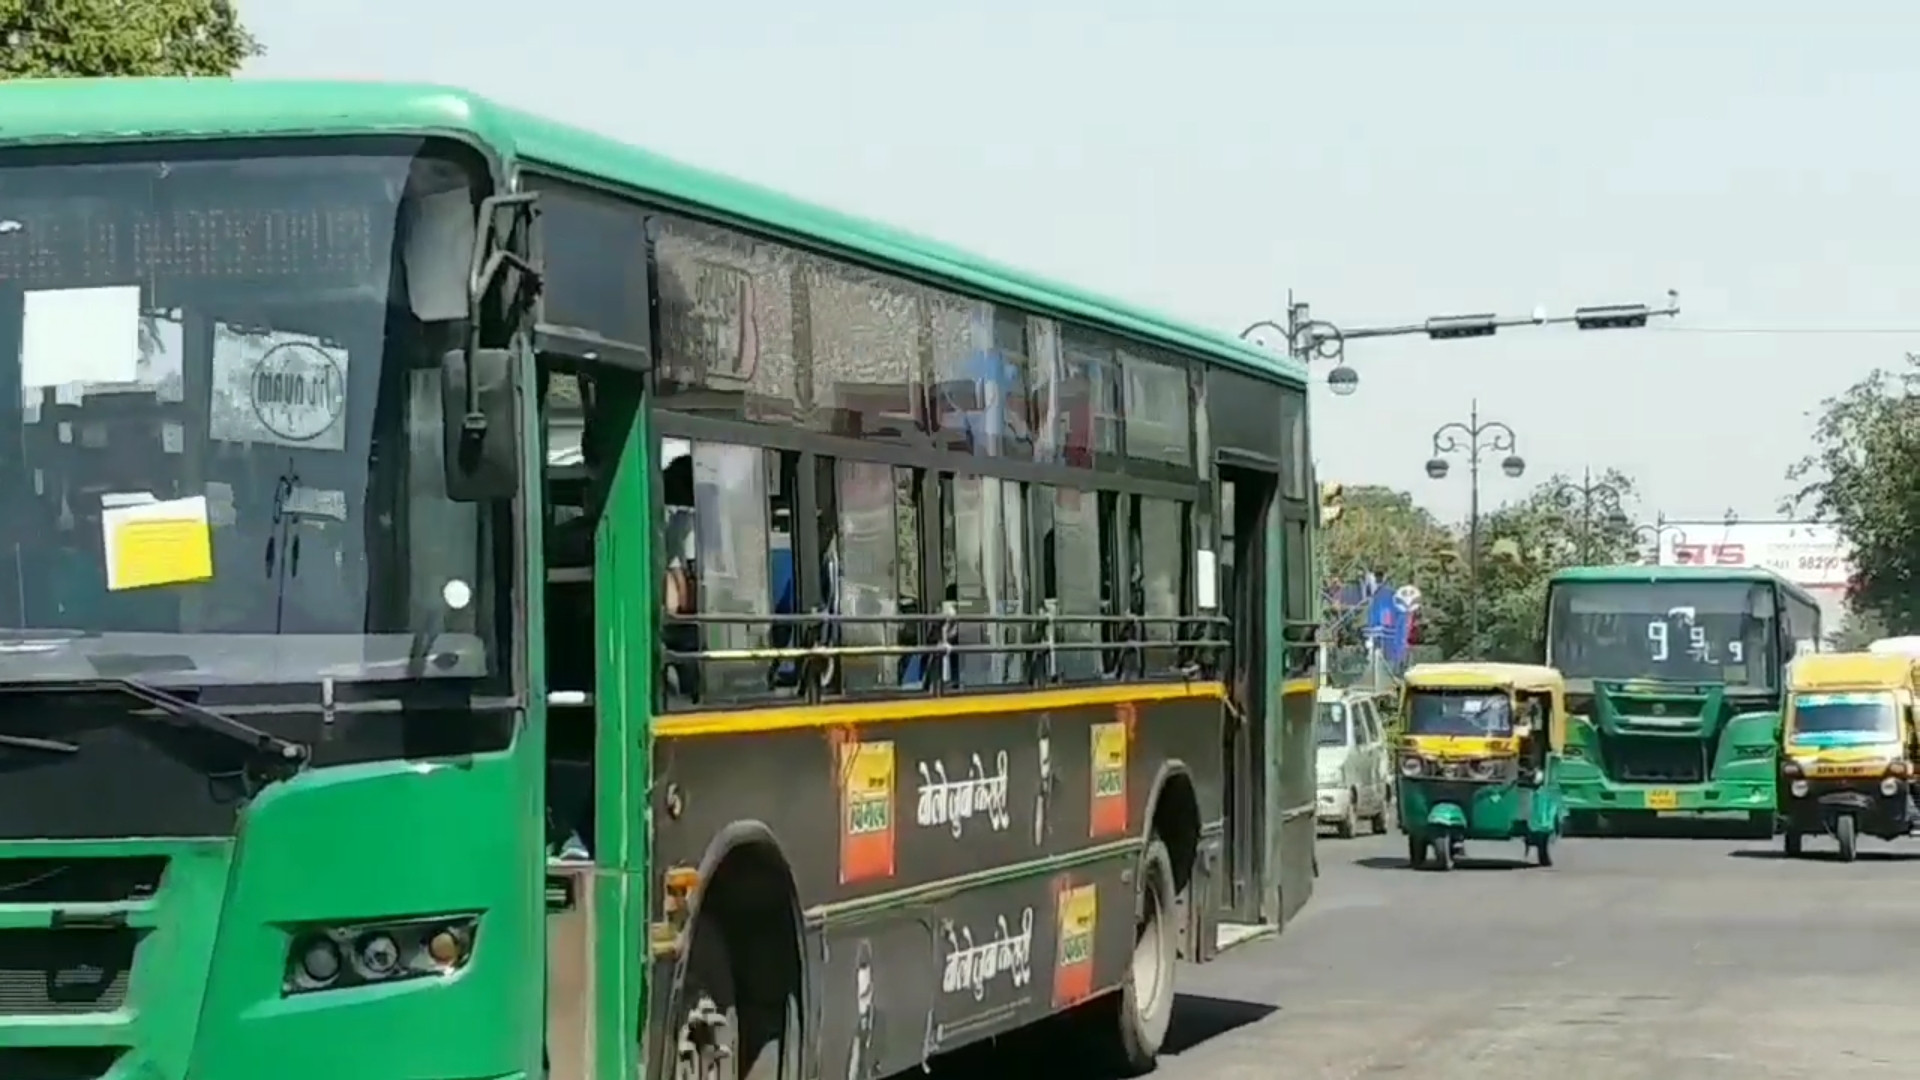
x=477 y=384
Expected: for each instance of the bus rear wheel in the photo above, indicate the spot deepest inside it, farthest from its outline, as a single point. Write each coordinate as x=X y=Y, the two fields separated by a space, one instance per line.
x=1129 y=1025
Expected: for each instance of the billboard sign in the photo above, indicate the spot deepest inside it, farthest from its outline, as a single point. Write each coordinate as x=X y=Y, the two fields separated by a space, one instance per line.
x=1809 y=554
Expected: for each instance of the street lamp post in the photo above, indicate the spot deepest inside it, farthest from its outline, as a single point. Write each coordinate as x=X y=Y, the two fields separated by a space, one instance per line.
x=1310 y=339
x=1470 y=440
x=1592 y=495
x=1650 y=532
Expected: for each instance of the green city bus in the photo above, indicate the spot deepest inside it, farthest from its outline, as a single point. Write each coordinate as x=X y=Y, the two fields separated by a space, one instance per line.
x=490 y=602
x=1675 y=676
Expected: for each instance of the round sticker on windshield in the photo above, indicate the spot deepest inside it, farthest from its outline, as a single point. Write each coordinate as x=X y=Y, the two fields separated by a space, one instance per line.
x=299 y=391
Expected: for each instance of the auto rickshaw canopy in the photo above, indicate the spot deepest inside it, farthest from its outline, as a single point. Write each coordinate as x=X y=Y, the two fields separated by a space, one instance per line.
x=1509 y=679
x=1854 y=671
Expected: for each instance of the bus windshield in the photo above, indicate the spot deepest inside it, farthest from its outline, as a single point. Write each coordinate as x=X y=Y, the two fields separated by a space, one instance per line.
x=1677 y=631
x=1472 y=713
x=219 y=372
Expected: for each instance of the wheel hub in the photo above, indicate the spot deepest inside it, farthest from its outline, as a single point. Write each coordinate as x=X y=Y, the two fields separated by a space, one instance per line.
x=705 y=1052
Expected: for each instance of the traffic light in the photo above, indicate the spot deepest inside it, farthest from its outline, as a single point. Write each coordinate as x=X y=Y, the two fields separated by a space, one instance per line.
x=1612 y=317
x=1330 y=504
x=1449 y=327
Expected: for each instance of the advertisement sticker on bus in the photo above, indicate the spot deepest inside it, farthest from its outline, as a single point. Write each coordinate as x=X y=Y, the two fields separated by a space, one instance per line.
x=1073 y=967
x=1109 y=810
x=866 y=801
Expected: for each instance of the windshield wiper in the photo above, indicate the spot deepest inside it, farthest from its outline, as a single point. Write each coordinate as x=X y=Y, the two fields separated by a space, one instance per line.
x=219 y=723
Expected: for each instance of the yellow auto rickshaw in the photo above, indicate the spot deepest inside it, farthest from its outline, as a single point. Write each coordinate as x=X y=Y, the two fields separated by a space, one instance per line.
x=1847 y=749
x=1477 y=758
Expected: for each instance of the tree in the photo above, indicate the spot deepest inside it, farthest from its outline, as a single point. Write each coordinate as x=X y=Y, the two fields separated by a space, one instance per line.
x=1860 y=476
x=1521 y=545
x=1856 y=631
x=67 y=38
x=1381 y=531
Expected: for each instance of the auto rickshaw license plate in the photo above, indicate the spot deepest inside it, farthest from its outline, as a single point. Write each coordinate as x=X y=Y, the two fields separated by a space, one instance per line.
x=1663 y=799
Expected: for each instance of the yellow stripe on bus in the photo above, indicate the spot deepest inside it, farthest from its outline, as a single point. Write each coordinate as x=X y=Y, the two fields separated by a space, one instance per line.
x=955 y=707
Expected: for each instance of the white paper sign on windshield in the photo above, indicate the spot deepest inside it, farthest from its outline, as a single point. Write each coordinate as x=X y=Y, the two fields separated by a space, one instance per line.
x=281 y=389
x=79 y=337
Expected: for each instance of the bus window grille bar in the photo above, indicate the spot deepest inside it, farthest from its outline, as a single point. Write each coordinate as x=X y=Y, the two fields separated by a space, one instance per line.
x=811 y=663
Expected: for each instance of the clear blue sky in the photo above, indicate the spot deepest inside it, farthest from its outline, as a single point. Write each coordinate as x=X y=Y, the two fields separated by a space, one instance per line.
x=1389 y=160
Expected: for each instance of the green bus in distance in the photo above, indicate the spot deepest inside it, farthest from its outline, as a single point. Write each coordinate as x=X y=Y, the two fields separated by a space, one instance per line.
x=488 y=601
x=1675 y=677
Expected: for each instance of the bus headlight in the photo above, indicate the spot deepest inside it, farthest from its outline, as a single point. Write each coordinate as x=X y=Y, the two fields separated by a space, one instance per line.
x=1889 y=786
x=1411 y=765
x=334 y=957
x=1798 y=788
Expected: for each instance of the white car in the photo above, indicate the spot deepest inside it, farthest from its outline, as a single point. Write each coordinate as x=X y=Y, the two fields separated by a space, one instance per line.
x=1352 y=764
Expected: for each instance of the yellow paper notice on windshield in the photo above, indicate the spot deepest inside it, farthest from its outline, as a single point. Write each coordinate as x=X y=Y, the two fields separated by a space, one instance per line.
x=157 y=543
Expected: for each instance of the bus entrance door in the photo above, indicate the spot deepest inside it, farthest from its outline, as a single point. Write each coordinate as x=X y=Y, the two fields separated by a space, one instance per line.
x=1246 y=501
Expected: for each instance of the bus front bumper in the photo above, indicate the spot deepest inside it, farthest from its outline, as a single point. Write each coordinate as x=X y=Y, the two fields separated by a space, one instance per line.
x=1712 y=797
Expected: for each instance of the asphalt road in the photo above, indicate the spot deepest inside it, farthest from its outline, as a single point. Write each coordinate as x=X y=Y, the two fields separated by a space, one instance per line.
x=1643 y=959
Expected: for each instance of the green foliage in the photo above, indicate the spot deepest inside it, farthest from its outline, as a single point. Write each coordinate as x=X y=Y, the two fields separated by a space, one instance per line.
x=71 y=38
x=1860 y=476
x=1858 y=630
x=1521 y=544
x=1381 y=530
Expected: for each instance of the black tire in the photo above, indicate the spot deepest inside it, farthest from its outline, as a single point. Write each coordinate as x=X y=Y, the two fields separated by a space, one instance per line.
x=1349 y=825
x=1543 y=849
x=1795 y=843
x=1130 y=1025
x=1443 y=853
x=1764 y=823
x=1416 y=852
x=1846 y=832
x=1378 y=823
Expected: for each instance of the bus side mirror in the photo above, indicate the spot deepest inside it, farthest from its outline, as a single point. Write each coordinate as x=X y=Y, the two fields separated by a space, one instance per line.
x=478 y=423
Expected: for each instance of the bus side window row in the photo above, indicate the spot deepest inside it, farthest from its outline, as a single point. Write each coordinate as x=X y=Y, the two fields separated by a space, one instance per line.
x=886 y=538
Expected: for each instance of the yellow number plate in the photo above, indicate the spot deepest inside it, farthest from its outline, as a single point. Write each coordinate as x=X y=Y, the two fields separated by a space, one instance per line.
x=1663 y=799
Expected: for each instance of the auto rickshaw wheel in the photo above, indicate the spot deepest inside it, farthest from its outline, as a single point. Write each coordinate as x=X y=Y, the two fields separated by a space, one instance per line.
x=1416 y=852
x=1543 y=849
x=1443 y=852
x=1794 y=842
x=1844 y=830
